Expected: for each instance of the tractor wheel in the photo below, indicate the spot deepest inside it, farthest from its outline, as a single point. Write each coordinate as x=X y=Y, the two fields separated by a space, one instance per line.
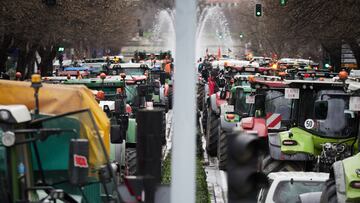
x=166 y=102
x=270 y=165
x=328 y=194
x=204 y=119
x=212 y=134
x=130 y=162
x=200 y=97
x=222 y=150
x=170 y=98
x=163 y=130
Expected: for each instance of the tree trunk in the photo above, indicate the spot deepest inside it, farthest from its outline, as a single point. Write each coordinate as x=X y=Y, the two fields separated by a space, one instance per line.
x=47 y=55
x=4 y=52
x=355 y=48
x=334 y=51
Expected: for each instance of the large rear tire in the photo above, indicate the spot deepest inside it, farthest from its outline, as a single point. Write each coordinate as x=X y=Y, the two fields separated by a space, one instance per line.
x=270 y=165
x=222 y=150
x=130 y=162
x=163 y=130
x=200 y=97
x=170 y=98
x=212 y=134
x=328 y=194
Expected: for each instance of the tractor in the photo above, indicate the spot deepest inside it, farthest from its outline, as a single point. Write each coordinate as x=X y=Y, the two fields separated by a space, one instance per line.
x=323 y=127
x=60 y=150
x=259 y=108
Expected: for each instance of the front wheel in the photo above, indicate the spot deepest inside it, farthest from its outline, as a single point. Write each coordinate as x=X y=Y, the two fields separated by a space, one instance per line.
x=222 y=150
x=212 y=134
x=328 y=194
x=130 y=161
x=270 y=165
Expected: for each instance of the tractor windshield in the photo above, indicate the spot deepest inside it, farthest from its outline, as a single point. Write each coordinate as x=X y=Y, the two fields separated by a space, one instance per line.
x=240 y=105
x=275 y=103
x=131 y=93
x=54 y=151
x=327 y=113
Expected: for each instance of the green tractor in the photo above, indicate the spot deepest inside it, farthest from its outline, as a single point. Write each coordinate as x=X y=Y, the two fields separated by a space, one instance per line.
x=324 y=127
x=259 y=109
x=46 y=157
x=344 y=182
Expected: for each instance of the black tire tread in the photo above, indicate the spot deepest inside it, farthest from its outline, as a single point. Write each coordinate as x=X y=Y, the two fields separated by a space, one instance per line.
x=222 y=150
x=130 y=161
x=213 y=135
x=328 y=194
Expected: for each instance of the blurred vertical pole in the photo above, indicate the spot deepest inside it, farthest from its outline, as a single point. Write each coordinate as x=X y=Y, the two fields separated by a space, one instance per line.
x=183 y=146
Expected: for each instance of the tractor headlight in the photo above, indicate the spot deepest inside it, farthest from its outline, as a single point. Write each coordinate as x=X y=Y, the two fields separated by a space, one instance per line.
x=8 y=139
x=4 y=115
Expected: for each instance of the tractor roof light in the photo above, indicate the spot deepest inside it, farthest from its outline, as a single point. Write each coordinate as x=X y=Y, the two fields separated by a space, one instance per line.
x=18 y=75
x=343 y=75
x=123 y=75
x=103 y=76
x=251 y=79
x=35 y=79
x=100 y=95
x=282 y=74
x=274 y=66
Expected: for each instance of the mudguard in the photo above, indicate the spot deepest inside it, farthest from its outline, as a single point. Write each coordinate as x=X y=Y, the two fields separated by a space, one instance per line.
x=345 y=173
x=213 y=106
x=307 y=143
x=304 y=141
x=277 y=154
x=131 y=132
x=257 y=125
x=228 y=125
x=162 y=93
x=206 y=91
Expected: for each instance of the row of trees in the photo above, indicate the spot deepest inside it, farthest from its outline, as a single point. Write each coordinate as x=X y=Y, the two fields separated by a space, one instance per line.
x=307 y=28
x=30 y=27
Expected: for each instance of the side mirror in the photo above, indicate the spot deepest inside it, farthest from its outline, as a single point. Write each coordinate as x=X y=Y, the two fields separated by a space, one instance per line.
x=78 y=161
x=117 y=135
x=321 y=109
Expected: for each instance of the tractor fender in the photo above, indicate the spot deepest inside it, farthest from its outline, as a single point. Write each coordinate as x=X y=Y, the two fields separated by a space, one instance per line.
x=214 y=107
x=227 y=126
x=339 y=175
x=162 y=93
x=276 y=153
x=166 y=90
x=131 y=131
x=206 y=86
x=346 y=172
x=253 y=124
x=303 y=139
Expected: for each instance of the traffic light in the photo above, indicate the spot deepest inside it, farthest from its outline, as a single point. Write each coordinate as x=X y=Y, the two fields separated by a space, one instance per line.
x=283 y=2
x=61 y=49
x=244 y=176
x=258 y=10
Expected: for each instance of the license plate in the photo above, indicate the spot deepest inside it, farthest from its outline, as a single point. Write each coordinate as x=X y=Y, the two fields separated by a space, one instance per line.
x=227 y=108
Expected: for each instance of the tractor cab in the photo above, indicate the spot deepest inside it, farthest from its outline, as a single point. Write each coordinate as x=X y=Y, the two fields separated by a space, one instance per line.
x=324 y=125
